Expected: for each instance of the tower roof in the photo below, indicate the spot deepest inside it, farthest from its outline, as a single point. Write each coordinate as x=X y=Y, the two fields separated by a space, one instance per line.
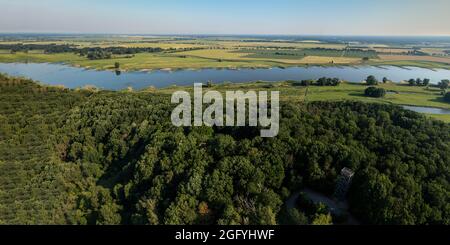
x=348 y=173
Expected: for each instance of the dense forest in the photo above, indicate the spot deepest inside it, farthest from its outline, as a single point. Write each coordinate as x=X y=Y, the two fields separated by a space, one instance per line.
x=82 y=157
x=106 y=53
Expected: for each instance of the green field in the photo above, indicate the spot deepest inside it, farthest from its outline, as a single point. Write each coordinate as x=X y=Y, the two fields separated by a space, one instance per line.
x=399 y=94
x=229 y=53
x=144 y=61
x=301 y=53
x=410 y=63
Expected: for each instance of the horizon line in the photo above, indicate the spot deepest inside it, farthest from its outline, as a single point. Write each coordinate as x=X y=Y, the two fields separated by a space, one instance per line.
x=223 y=34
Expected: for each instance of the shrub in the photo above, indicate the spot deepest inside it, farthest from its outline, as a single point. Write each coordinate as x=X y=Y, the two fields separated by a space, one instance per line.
x=371 y=80
x=447 y=97
x=324 y=81
x=375 y=92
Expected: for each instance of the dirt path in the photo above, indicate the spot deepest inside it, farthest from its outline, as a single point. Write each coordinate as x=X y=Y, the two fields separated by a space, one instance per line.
x=335 y=207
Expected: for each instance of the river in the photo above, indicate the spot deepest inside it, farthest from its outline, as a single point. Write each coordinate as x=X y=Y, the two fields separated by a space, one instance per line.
x=74 y=77
x=428 y=110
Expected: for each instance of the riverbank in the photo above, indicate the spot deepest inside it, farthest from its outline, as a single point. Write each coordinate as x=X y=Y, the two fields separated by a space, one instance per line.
x=407 y=96
x=174 y=62
x=168 y=82
x=75 y=76
x=336 y=208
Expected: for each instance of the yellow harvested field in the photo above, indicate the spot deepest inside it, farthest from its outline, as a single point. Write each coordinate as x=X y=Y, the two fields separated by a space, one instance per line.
x=415 y=58
x=309 y=41
x=378 y=45
x=35 y=42
x=328 y=60
x=104 y=44
x=157 y=45
x=236 y=44
x=437 y=51
x=232 y=55
x=214 y=54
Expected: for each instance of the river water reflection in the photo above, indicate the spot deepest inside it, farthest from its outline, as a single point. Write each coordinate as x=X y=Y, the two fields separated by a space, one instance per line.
x=73 y=77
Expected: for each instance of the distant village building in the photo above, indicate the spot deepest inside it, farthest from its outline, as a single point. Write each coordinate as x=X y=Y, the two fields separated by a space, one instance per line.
x=343 y=183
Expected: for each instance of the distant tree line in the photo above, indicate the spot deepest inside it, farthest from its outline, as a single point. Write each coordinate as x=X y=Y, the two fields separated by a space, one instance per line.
x=419 y=82
x=323 y=81
x=47 y=48
x=117 y=50
x=286 y=54
x=417 y=52
x=444 y=84
x=92 y=53
x=447 y=97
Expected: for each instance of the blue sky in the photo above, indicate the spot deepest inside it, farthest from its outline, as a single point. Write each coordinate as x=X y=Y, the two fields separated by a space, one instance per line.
x=324 y=17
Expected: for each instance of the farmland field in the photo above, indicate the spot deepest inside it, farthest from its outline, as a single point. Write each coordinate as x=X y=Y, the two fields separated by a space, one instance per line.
x=225 y=52
x=301 y=53
x=416 y=58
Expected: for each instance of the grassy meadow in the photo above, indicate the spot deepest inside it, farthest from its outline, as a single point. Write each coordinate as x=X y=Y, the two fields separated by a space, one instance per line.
x=399 y=94
x=231 y=53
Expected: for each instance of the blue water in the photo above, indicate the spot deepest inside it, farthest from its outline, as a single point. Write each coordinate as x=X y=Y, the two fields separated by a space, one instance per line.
x=428 y=110
x=73 y=77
